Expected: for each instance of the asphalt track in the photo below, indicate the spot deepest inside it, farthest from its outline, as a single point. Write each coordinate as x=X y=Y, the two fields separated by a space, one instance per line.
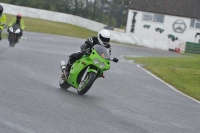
x=128 y=100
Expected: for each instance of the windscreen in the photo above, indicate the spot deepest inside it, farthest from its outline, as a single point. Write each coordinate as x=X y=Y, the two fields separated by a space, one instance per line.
x=15 y=26
x=102 y=51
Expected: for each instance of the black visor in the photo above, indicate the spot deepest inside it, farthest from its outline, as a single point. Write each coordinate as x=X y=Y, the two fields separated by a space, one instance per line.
x=103 y=39
x=1 y=12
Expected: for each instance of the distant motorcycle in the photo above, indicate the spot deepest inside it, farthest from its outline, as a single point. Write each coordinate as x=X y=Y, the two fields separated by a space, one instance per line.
x=13 y=34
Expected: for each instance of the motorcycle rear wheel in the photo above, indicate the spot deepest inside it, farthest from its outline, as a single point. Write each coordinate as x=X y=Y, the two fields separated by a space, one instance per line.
x=86 y=85
x=63 y=84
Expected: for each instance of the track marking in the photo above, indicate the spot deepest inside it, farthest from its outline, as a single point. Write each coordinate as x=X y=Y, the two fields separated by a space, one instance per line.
x=18 y=127
x=168 y=84
x=130 y=61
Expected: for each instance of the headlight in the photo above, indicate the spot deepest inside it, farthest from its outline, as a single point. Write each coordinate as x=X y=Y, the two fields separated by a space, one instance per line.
x=11 y=29
x=102 y=65
x=96 y=61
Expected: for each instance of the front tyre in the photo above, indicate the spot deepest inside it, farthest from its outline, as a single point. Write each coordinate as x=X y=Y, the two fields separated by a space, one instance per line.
x=12 y=40
x=11 y=44
x=63 y=84
x=85 y=85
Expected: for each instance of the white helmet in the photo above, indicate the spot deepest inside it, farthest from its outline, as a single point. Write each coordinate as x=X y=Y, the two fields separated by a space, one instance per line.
x=104 y=37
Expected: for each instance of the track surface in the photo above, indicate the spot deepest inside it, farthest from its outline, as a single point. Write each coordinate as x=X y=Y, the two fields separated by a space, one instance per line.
x=128 y=100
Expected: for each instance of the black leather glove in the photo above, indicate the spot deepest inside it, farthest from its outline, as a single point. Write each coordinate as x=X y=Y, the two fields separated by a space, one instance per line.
x=85 y=49
x=89 y=43
x=4 y=26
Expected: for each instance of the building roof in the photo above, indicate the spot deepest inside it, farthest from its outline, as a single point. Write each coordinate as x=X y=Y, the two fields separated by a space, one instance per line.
x=183 y=8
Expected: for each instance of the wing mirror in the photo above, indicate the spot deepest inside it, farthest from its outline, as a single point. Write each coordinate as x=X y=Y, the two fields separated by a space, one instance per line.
x=115 y=60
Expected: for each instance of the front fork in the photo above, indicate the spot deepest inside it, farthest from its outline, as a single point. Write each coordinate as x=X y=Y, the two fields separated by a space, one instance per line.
x=86 y=71
x=83 y=77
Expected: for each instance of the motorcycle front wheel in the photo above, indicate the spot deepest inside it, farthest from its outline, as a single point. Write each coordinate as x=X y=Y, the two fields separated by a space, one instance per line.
x=12 y=44
x=85 y=85
x=12 y=40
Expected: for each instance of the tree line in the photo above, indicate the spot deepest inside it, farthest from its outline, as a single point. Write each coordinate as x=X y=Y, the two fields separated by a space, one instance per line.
x=110 y=12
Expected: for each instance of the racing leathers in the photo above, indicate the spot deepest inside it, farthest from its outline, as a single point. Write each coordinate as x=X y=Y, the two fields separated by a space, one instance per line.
x=85 y=49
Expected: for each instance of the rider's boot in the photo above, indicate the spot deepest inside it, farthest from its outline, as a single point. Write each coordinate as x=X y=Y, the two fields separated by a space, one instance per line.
x=65 y=68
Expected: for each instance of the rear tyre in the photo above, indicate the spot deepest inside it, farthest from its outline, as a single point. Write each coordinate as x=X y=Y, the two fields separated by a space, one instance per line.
x=64 y=84
x=87 y=83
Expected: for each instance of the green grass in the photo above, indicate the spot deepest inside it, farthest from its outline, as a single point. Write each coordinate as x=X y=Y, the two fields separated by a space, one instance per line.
x=57 y=28
x=4 y=35
x=182 y=73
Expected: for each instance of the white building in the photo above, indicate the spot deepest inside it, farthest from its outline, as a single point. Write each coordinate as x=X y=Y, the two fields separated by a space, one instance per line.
x=166 y=23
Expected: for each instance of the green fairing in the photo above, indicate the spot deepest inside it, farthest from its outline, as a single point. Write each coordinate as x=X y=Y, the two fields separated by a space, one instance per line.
x=85 y=62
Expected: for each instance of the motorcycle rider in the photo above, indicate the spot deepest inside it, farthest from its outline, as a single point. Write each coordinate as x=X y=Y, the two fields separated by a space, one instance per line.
x=18 y=20
x=102 y=38
x=2 y=20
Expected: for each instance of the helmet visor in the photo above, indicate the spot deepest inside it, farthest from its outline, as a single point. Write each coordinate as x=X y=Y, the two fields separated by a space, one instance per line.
x=1 y=12
x=103 y=39
x=19 y=17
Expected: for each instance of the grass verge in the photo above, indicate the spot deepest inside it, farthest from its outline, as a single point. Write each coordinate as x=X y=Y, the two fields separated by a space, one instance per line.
x=56 y=28
x=182 y=73
x=4 y=35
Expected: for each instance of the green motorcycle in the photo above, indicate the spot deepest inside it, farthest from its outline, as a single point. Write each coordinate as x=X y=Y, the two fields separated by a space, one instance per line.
x=85 y=71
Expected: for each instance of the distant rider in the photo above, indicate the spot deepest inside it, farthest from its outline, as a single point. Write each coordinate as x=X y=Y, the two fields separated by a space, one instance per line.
x=2 y=20
x=18 y=20
x=103 y=38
